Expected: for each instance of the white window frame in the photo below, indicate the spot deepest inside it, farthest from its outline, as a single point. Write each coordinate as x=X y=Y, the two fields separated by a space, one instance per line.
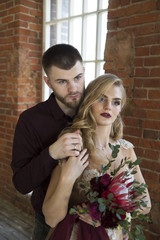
x=98 y=49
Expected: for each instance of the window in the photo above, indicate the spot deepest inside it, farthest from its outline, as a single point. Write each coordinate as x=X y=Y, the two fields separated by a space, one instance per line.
x=81 y=23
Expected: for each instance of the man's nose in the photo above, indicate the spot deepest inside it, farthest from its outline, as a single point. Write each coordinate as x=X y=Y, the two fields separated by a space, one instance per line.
x=72 y=87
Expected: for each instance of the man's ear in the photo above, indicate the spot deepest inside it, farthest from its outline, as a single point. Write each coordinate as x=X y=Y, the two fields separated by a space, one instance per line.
x=46 y=79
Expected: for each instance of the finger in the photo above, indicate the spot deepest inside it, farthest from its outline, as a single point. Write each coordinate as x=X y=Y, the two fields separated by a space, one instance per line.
x=81 y=155
x=76 y=147
x=84 y=159
x=77 y=131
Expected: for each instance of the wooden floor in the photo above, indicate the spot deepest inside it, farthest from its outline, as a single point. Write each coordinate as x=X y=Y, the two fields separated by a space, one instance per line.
x=14 y=224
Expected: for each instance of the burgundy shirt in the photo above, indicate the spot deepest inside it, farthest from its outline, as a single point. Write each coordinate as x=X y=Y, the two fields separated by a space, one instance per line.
x=37 y=128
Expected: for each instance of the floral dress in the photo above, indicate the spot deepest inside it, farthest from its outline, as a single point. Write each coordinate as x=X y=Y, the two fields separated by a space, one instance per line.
x=79 y=196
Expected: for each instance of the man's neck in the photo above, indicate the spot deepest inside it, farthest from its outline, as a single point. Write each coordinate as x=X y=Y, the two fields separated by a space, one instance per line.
x=68 y=111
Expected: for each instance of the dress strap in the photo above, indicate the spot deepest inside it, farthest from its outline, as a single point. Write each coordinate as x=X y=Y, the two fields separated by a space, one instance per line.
x=124 y=143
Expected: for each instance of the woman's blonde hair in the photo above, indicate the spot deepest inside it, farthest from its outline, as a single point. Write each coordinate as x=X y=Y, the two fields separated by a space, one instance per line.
x=85 y=120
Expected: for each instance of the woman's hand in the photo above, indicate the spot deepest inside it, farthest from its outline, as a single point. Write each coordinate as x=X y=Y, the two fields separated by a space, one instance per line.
x=85 y=217
x=72 y=168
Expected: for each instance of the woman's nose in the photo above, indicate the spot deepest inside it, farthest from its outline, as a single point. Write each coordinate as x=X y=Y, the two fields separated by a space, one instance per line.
x=107 y=105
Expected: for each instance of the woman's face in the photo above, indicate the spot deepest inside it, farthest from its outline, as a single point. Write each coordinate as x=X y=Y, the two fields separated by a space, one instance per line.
x=108 y=106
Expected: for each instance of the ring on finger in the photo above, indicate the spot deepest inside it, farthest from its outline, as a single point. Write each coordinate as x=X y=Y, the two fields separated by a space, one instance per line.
x=75 y=147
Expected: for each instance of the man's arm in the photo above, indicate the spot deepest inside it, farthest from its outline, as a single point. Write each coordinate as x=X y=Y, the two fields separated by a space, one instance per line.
x=32 y=163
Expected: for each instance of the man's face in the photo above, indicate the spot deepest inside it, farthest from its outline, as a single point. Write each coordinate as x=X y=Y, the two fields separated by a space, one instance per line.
x=68 y=85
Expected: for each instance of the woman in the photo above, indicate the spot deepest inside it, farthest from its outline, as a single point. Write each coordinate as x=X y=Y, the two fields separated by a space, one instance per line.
x=99 y=122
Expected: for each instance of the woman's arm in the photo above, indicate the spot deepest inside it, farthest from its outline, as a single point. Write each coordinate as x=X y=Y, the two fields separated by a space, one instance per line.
x=139 y=177
x=56 y=201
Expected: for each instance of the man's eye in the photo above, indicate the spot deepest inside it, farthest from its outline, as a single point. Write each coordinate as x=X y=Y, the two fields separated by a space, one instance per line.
x=62 y=82
x=78 y=77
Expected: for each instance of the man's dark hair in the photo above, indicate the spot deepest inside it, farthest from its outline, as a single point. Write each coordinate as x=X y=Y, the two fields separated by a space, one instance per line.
x=63 y=56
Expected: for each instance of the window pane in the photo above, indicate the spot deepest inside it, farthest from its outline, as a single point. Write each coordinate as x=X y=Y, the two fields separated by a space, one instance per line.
x=62 y=11
x=75 y=30
x=50 y=36
x=62 y=32
x=75 y=7
x=89 y=72
x=103 y=4
x=102 y=31
x=90 y=5
x=53 y=14
x=100 y=69
x=89 y=43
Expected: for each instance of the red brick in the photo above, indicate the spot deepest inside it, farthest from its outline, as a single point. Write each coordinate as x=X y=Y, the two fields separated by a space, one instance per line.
x=152 y=61
x=3 y=13
x=151 y=124
x=18 y=23
x=123 y=22
x=132 y=10
x=154 y=94
x=137 y=132
x=26 y=17
x=25 y=32
x=142 y=72
x=146 y=18
x=155 y=72
x=117 y=13
x=147 y=29
x=18 y=9
x=151 y=176
x=151 y=134
x=152 y=114
x=139 y=113
x=7 y=19
x=155 y=50
x=139 y=62
x=145 y=164
x=152 y=154
x=147 y=6
x=140 y=93
x=155 y=190
x=27 y=3
x=152 y=83
x=138 y=82
x=114 y=4
x=142 y=51
x=125 y=2
x=112 y=25
x=146 y=104
x=36 y=27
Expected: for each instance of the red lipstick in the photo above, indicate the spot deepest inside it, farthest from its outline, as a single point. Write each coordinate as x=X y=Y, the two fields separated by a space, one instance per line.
x=105 y=115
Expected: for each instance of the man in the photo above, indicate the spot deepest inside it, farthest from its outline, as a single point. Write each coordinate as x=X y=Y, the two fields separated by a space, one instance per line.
x=36 y=149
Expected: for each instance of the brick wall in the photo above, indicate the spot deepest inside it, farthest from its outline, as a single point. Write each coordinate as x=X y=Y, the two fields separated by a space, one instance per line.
x=133 y=53
x=20 y=77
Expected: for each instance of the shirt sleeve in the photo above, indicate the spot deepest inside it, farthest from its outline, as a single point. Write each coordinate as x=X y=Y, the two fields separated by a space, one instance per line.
x=31 y=162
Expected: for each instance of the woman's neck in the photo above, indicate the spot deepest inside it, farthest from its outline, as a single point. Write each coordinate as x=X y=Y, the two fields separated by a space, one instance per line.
x=102 y=137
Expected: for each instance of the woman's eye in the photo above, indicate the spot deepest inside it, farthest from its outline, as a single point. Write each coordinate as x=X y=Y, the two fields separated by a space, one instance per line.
x=116 y=103
x=101 y=99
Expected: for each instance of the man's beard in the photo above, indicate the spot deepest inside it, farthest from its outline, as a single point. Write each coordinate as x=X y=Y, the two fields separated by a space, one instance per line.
x=74 y=104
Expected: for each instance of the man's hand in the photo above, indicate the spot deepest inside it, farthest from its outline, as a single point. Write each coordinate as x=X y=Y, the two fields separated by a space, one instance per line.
x=68 y=145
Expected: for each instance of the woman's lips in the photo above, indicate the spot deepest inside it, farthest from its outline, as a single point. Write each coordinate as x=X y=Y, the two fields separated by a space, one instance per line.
x=106 y=115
